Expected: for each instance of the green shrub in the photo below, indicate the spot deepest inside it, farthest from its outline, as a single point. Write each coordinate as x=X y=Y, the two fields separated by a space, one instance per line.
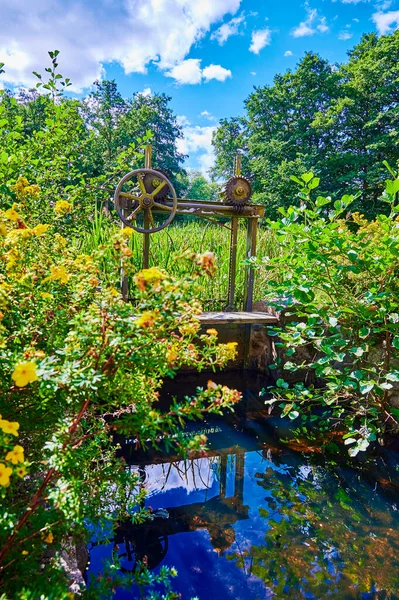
x=337 y=279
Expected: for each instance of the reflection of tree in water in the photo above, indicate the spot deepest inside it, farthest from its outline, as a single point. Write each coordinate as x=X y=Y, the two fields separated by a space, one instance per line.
x=330 y=536
x=148 y=542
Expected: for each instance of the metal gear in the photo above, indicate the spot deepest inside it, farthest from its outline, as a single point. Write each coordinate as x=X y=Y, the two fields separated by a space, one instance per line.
x=151 y=182
x=237 y=191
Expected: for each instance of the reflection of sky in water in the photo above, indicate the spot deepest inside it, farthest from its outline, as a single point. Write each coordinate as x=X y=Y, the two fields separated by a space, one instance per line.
x=215 y=513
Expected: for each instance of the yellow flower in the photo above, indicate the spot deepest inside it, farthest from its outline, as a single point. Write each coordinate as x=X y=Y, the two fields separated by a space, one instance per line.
x=18 y=234
x=5 y=473
x=147 y=277
x=40 y=229
x=9 y=427
x=232 y=345
x=114 y=293
x=147 y=319
x=212 y=332
x=12 y=214
x=127 y=232
x=24 y=373
x=46 y=295
x=21 y=184
x=62 y=207
x=24 y=552
x=16 y=455
x=58 y=274
x=3 y=230
x=49 y=539
x=21 y=471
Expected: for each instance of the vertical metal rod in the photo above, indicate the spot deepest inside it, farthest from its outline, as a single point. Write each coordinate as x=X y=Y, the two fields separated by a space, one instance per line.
x=146 y=243
x=231 y=305
x=239 y=477
x=148 y=156
x=223 y=475
x=252 y=228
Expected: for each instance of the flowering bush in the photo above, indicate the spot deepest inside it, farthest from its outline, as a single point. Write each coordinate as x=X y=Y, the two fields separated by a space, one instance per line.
x=77 y=364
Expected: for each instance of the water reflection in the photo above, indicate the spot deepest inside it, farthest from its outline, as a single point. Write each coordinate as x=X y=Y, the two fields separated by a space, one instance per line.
x=257 y=520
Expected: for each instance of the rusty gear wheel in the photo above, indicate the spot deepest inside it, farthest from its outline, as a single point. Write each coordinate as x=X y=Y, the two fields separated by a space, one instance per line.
x=237 y=191
x=151 y=182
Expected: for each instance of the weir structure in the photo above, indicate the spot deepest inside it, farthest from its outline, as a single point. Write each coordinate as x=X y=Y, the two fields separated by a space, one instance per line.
x=146 y=200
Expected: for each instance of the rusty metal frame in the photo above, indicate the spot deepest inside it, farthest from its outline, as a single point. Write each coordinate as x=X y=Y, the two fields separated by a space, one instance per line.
x=209 y=210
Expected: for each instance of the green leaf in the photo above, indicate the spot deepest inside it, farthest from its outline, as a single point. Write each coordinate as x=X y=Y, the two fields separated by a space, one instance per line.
x=320 y=201
x=365 y=387
x=393 y=376
x=307 y=177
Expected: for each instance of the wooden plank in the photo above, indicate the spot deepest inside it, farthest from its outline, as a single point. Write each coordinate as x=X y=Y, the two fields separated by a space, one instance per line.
x=226 y=318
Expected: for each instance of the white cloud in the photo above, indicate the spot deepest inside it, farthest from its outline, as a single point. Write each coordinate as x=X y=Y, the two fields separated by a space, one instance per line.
x=207 y=115
x=182 y=120
x=311 y=25
x=146 y=92
x=189 y=71
x=228 y=29
x=197 y=141
x=322 y=26
x=216 y=72
x=386 y=22
x=253 y=73
x=133 y=33
x=260 y=39
x=356 y=20
x=345 y=35
x=288 y=53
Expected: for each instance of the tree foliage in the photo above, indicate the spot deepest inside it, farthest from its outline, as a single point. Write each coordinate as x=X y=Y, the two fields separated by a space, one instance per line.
x=340 y=121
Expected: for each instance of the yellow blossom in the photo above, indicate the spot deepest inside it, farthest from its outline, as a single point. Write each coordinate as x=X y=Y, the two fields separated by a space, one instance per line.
x=24 y=373
x=147 y=319
x=12 y=214
x=24 y=552
x=49 y=538
x=152 y=276
x=5 y=473
x=18 y=234
x=114 y=292
x=40 y=229
x=232 y=345
x=58 y=274
x=127 y=232
x=46 y=295
x=9 y=427
x=212 y=332
x=16 y=455
x=189 y=328
x=62 y=207
x=3 y=230
x=21 y=471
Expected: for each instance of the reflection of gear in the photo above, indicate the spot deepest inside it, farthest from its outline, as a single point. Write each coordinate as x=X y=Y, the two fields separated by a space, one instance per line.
x=238 y=190
x=151 y=182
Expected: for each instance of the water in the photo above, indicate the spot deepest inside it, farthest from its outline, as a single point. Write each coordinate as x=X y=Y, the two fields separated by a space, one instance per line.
x=260 y=519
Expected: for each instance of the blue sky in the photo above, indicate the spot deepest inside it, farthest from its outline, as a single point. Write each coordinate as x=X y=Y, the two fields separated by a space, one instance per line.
x=206 y=54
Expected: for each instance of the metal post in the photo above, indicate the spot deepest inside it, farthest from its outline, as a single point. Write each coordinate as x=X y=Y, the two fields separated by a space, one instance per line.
x=146 y=241
x=239 y=477
x=231 y=306
x=252 y=228
x=223 y=475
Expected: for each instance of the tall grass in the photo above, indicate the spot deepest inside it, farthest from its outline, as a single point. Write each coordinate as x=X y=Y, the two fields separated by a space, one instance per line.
x=167 y=245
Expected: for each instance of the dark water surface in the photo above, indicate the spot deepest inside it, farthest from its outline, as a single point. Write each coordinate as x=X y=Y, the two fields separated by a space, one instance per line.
x=260 y=519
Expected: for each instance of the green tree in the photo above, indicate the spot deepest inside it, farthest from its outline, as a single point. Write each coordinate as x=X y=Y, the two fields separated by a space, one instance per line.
x=364 y=119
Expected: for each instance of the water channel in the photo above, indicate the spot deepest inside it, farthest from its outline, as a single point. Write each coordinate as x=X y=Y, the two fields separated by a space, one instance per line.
x=260 y=518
